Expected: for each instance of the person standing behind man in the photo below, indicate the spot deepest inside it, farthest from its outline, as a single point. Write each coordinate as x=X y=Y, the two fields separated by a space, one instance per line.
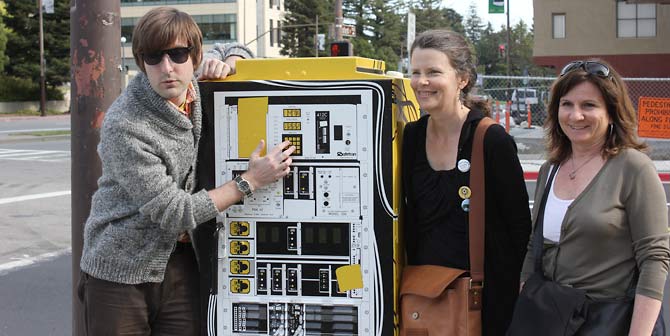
x=139 y=269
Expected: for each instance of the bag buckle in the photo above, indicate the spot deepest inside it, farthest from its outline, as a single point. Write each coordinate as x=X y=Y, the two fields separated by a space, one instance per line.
x=475 y=295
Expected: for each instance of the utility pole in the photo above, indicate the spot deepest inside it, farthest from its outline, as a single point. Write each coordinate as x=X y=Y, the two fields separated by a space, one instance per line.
x=95 y=36
x=316 y=37
x=43 y=90
x=507 y=52
x=339 y=20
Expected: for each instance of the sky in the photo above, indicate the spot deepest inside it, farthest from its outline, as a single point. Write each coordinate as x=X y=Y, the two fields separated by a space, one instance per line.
x=520 y=9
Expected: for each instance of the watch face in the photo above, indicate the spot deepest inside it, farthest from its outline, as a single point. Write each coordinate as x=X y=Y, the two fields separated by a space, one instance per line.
x=243 y=186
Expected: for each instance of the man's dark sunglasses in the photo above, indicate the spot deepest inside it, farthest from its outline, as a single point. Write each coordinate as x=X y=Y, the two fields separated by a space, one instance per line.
x=591 y=67
x=177 y=55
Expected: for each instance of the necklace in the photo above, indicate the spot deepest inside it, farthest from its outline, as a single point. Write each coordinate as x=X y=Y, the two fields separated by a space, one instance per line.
x=573 y=173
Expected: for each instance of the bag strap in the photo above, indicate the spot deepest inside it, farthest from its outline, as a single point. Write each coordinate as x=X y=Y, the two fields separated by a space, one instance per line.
x=477 y=215
x=538 y=235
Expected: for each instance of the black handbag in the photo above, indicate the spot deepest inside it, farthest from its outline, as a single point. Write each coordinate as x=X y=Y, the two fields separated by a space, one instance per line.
x=547 y=308
x=613 y=316
x=544 y=307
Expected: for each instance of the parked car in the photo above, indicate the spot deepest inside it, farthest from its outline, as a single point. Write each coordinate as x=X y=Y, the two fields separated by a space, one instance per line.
x=519 y=110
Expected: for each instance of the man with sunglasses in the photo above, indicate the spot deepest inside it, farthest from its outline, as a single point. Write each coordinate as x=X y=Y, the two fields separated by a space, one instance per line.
x=139 y=269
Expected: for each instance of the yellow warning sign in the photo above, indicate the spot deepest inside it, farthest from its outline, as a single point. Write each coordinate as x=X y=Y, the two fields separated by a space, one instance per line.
x=654 y=117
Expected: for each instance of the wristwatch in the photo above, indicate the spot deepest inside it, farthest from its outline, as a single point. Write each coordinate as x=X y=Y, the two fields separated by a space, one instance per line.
x=243 y=185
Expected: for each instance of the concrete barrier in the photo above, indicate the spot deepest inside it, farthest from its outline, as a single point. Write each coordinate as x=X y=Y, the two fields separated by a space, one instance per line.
x=13 y=107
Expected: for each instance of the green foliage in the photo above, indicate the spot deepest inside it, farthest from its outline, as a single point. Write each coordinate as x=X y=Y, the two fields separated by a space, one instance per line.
x=3 y=37
x=298 y=28
x=24 y=89
x=381 y=30
x=473 y=24
x=431 y=15
x=22 y=20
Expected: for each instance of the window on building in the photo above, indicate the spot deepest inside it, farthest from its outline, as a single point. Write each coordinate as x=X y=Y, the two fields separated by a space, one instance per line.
x=215 y=28
x=558 y=25
x=278 y=33
x=272 y=34
x=636 y=20
x=127 y=26
x=274 y=3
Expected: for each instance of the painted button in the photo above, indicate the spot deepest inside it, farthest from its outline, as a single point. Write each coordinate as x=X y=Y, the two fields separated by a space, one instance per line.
x=465 y=205
x=464 y=192
x=463 y=165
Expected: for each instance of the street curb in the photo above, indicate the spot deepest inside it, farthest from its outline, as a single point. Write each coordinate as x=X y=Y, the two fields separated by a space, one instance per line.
x=4 y=118
x=21 y=139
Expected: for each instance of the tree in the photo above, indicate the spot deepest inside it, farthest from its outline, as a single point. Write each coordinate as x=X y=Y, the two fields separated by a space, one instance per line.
x=3 y=37
x=23 y=42
x=490 y=61
x=379 y=29
x=389 y=32
x=298 y=30
x=473 y=24
x=431 y=15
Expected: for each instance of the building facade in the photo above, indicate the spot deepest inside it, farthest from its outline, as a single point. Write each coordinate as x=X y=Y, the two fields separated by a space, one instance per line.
x=255 y=23
x=634 y=36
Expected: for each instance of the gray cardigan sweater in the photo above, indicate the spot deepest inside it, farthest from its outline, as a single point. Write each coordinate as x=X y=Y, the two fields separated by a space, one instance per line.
x=145 y=196
x=617 y=224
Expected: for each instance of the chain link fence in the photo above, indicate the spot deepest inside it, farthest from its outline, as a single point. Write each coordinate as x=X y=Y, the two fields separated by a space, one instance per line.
x=521 y=95
x=526 y=94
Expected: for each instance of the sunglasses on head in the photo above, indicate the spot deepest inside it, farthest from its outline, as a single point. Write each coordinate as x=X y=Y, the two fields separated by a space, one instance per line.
x=591 y=67
x=177 y=55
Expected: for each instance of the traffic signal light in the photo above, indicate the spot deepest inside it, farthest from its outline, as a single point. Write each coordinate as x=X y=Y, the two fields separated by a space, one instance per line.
x=501 y=50
x=341 y=48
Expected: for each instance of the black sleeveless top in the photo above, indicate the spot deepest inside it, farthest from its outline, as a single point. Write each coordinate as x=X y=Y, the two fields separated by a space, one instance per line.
x=441 y=223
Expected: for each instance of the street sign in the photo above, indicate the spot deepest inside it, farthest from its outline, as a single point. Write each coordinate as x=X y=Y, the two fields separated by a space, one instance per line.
x=321 y=38
x=348 y=30
x=654 y=117
x=496 y=7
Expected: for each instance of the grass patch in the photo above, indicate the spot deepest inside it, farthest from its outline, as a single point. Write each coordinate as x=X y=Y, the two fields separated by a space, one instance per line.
x=43 y=133
x=21 y=113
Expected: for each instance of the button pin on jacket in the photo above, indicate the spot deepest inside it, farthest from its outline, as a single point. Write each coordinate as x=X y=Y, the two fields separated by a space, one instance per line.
x=463 y=165
x=465 y=205
x=464 y=192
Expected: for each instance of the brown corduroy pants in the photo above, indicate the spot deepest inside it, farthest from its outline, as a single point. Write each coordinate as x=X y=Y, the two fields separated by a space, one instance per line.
x=171 y=307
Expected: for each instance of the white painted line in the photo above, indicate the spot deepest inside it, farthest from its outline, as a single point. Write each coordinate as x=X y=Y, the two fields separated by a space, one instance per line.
x=39 y=158
x=35 y=130
x=14 y=150
x=5 y=155
x=33 y=197
x=13 y=265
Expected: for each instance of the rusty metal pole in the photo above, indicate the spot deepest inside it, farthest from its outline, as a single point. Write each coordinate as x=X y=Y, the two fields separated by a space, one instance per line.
x=95 y=36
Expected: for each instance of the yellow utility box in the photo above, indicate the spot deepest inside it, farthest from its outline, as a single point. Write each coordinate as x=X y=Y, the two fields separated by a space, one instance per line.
x=319 y=252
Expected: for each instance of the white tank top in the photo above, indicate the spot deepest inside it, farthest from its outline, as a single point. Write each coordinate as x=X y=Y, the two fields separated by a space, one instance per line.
x=554 y=212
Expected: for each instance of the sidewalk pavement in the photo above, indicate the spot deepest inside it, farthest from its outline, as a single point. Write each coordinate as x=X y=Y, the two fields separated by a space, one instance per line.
x=529 y=141
x=11 y=137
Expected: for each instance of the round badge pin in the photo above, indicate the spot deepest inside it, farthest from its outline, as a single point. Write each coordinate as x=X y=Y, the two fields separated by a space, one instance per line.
x=465 y=205
x=463 y=165
x=464 y=192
